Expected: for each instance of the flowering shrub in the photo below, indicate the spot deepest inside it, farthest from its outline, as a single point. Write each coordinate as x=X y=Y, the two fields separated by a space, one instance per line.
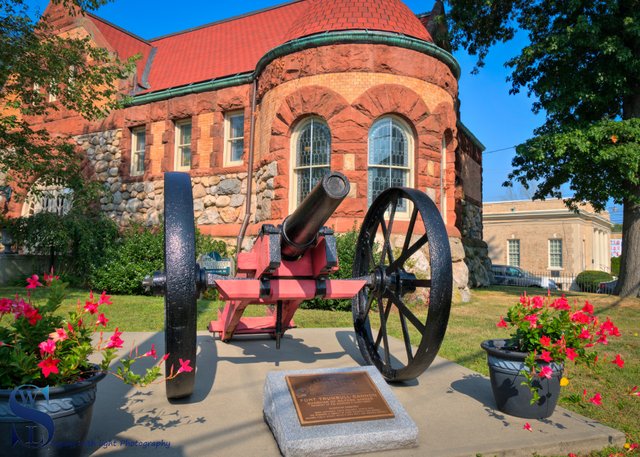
x=40 y=347
x=554 y=331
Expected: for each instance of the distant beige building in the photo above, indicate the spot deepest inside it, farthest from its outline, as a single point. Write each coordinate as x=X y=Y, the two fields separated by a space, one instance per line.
x=544 y=237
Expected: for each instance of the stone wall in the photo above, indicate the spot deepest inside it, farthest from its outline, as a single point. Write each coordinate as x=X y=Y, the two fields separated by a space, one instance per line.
x=475 y=249
x=216 y=199
x=264 y=179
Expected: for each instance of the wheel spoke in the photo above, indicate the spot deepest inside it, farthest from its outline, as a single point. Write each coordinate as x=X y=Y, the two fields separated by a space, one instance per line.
x=406 y=337
x=406 y=254
x=386 y=231
x=412 y=224
x=367 y=306
x=406 y=311
x=421 y=282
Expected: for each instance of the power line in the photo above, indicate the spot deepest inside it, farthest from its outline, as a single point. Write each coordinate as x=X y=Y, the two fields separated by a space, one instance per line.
x=499 y=150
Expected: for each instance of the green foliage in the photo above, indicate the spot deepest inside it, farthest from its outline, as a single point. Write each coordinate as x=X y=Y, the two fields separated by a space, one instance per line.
x=138 y=253
x=78 y=239
x=615 y=266
x=36 y=62
x=582 y=67
x=589 y=280
x=346 y=246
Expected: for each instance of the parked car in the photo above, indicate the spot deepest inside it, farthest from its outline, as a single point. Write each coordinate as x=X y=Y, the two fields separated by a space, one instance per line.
x=607 y=287
x=506 y=275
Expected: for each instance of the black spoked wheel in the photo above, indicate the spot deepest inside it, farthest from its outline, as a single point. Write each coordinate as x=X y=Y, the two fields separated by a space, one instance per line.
x=403 y=249
x=181 y=293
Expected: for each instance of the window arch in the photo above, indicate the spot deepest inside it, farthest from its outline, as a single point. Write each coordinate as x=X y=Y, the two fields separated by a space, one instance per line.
x=312 y=150
x=390 y=156
x=48 y=199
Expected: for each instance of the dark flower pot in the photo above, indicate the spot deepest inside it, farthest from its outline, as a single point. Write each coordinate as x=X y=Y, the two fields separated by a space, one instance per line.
x=27 y=420
x=513 y=398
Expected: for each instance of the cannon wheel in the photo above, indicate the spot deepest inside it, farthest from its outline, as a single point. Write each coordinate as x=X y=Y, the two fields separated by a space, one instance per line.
x=396 y=267
x=181 y=293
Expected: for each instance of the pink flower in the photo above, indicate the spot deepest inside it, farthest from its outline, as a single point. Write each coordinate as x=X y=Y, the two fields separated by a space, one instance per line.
x=587 y=308
x=165 y=357
x=580 y=317
x=91 y=307
x=33 y=282
x=596 y=399
x=527 y=426
x=532 y=319
x=49 y=366
x=151 y=353
x=618 y=361
x=114 y=340
x=545 y=341
x=49 y=278
x=561 y=304
x=104 y=299
x=635 y=391
x=184 y=366
x=47 y=347
x=502 y=323
x=538 y=302
x=546 y=356
x=32 y=315
x=545 y=372
x=584 y=334
x=102 y=320
x=59 y=335
x=571 y=354
x=5 y=305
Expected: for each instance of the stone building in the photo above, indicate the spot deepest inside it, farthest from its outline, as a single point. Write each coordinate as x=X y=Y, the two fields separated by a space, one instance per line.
x=295 y=90
x=546 y=237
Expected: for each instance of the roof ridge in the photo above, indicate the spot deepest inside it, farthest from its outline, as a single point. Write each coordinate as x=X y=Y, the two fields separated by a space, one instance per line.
x=222 y=21
x=117 y=27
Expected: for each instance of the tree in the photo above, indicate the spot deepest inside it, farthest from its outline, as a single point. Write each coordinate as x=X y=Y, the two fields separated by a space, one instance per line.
x=582 y=64
x=36 y=62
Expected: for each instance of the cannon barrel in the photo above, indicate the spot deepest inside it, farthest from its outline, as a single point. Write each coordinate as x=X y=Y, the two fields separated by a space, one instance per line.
x=299 y=230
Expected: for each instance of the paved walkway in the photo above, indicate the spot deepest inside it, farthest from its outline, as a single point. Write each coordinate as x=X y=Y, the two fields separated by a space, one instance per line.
x=452 y=406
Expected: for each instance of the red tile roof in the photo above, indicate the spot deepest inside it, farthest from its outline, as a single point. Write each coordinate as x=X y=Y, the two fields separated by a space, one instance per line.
x=236 y=45
x=124 y=43
x=330 y=15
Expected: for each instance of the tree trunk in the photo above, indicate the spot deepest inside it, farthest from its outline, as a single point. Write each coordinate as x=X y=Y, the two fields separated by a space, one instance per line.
x=629 y=281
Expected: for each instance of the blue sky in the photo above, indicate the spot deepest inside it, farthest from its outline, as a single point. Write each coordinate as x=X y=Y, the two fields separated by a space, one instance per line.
x=499 y=120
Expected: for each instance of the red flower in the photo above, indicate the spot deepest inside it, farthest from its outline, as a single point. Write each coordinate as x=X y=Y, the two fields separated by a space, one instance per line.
x=47 y=347
x=184 y=366
x=49 y=278
x=587 y=308
x=49 y=366
x=114 y=340
x=584 y=334
x=545 y=372
x=165 y=357
x=618 y=361
x=545 y=341
x=33 y=282
x=104 y=299
x=91 y=307
x=502 y=323
x=546 y=356
x=580 y=317
x=151 y=353
x=571 y=354
x=32 y=315
x=596 y=399
x=5 y=305
x=527 y=426
x=561 y=304
x=635 y=391
x=538 y=302
x=102 y=320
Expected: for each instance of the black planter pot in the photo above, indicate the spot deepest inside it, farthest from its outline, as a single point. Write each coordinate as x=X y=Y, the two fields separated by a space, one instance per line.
x=31 y=426
x=513 y=398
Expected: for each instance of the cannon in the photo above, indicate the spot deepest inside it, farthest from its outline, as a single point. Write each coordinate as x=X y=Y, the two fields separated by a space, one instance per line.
x=401 y=279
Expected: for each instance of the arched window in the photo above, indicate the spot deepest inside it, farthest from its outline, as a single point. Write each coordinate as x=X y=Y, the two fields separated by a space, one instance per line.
x=390 y=147
x=49 y=199
x=312 y=149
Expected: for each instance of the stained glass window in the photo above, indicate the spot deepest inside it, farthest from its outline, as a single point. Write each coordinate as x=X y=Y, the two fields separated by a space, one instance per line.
x=313 y=156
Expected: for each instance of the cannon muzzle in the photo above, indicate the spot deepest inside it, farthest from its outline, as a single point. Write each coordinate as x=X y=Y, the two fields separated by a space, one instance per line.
x=299 y=230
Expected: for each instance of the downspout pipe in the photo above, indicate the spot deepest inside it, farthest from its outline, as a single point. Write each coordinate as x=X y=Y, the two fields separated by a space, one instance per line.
x=252 y=128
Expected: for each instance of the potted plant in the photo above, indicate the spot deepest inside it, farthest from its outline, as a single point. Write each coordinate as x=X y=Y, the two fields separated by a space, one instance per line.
x=528 y=369
x=47 y=382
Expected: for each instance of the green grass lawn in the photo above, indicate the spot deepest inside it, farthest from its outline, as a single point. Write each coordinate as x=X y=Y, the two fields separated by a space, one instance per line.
x=469 y=324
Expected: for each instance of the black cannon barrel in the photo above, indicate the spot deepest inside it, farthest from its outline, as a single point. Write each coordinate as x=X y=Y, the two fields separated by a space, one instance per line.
x=299 y=230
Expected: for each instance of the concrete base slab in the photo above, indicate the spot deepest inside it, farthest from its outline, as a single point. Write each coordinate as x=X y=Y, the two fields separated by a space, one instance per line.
x=295 y=440
x=452 y=406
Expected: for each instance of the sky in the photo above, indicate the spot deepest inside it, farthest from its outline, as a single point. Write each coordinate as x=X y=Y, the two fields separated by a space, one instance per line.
x=499 y=120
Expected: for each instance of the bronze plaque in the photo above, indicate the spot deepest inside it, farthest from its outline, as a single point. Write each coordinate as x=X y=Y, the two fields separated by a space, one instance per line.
x=337 y=397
